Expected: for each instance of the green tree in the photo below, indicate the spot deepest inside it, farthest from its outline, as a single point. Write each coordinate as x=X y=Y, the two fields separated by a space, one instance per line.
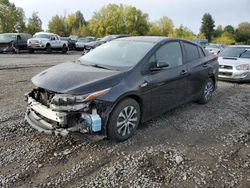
x=218 y=31
x=229 y=29
x=242 y=33
x=12 y=18
x=34 y=24
x=119 y=19
x=58 y=25
x=163 y=27
x=225 y=38
x=184 y=32
x=207 y=26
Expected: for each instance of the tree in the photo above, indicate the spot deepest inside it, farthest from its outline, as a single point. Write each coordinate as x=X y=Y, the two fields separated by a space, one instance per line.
x=75 y=23
x=218 y=31
x=163 y=27
x=58 y=25
x=207 y=26
x=34 y=24
x=225 y=38
x=242 y=33
x=184 y=32
x=119 y=19
x=229 y=29
x=12 y=18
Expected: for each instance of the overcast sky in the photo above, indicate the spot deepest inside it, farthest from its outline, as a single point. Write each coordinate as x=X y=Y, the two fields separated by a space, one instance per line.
x=186 y=12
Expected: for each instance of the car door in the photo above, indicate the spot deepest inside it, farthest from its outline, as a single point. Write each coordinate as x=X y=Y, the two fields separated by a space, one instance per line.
x=197 y=67
x=168 y=85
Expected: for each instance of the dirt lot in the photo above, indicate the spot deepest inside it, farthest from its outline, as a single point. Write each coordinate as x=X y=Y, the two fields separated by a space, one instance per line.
x=191 y=146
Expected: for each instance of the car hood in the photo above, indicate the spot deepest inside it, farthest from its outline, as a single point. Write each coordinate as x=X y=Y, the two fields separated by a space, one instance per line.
x=233 y=61
x=38 y=39
x=76 y=79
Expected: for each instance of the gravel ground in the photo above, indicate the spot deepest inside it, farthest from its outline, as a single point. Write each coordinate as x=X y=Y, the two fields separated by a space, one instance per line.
x=191 y=146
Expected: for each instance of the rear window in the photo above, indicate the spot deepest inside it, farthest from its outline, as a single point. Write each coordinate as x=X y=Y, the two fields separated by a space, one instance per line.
x=191 y=52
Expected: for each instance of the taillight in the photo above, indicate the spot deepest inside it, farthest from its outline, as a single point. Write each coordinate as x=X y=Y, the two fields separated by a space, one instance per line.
x=215 y=57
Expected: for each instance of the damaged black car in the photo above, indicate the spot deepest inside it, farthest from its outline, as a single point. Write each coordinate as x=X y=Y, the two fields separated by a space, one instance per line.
x=13 y=42
x=112 y=89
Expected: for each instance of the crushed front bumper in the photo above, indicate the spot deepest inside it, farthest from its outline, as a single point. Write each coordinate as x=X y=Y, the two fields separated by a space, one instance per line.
x=49 y=121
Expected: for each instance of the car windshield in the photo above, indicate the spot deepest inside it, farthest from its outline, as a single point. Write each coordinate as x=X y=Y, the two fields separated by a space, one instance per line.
x=82 y=40
x=245 y=54
x=46 y=36
x=232 y=51
x=7 y=37
x=118 y=55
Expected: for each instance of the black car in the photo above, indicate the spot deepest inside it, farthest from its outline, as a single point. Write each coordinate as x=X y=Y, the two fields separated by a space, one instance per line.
x=13 y=42
x=91 y=45
x=113 y=88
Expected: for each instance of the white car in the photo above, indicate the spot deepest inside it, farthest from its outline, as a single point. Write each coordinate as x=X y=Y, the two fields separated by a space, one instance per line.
x=48 y=42
x=234 y=63
x=82 y=41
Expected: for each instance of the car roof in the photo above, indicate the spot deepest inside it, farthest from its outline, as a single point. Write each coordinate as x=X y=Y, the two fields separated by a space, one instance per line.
x=152 y=39
x=46 y=33
x=240 y=46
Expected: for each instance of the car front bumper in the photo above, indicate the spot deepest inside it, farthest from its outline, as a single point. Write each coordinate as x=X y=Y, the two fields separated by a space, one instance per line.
x=49 y=121
x=233 y=74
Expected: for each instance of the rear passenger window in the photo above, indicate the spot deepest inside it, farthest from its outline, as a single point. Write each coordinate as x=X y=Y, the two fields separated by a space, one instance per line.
x=191 y=52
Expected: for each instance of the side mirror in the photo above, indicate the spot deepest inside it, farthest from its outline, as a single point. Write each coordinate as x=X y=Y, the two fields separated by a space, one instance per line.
x=160 y=65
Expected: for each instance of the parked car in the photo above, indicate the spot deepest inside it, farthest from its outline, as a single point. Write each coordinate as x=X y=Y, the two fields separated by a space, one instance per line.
x=72 y=41
x=13 y=42
x=215 y=48
x=234 y=63
x=113 y=88
x=82 y=41
x=48 y=42
x=91 y=45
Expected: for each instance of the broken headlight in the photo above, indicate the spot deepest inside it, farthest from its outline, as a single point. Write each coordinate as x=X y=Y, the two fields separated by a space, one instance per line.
x=66 y=99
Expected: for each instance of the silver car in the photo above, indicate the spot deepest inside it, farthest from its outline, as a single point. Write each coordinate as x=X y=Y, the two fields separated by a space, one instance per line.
x=214 y=48
x=82 y=41
x=234 y=63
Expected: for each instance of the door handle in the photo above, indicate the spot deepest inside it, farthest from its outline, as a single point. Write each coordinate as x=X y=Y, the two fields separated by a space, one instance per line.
x=204 y=65
x=145 y=84
x=183 y=72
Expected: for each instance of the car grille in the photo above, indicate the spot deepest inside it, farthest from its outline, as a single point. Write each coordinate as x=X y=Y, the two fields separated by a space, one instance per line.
x=226 y=67
x=34 y=42
x=225 y=73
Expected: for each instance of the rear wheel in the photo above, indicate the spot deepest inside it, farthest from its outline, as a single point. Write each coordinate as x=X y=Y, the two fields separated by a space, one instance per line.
x=124 y=120
x=48 y=49
x=207 y=92
x=31 y=51
x=64 y=49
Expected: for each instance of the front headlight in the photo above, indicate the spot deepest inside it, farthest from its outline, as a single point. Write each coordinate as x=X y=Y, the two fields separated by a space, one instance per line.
x=65 y=99
x=242 y=67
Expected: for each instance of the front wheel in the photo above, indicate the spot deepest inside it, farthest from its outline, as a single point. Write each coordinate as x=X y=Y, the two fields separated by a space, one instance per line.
x=207 y=92
x=124 y=120
x=48 y=49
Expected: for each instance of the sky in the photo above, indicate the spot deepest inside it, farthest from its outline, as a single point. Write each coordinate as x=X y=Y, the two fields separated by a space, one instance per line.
x=185 y=12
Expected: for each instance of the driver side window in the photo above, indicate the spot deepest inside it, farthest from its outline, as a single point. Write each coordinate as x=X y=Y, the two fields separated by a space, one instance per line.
x=170 y=53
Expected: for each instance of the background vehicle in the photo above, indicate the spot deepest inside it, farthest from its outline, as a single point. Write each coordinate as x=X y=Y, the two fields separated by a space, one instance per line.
x=82 y=41
x=113 y=88
x=14 y=42
x=234 y=62
x=47 y=42
x=91 y=45
x=214 y=48
x=72 y=42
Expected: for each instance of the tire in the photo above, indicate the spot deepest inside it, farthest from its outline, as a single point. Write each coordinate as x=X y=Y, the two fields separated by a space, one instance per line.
x=124 y=120
x=64 y=49
x=207 y=92
x=48 y=49
x=31 y=51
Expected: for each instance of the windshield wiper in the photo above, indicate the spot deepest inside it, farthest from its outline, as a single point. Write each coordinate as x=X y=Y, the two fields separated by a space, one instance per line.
x=99 y=66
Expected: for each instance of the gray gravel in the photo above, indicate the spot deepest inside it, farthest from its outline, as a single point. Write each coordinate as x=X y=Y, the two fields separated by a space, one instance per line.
x=190 y=146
